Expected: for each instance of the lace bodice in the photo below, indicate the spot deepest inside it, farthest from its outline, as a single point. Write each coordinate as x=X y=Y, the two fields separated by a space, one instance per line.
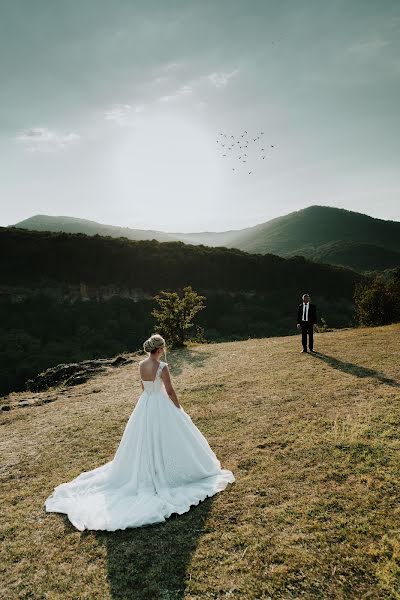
x=157 y=383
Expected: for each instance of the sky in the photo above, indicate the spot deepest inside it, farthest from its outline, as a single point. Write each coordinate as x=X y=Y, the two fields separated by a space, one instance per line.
x=111 y=111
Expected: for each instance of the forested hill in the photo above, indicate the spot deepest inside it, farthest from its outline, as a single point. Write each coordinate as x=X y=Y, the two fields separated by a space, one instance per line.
x=321 y=233
x=30 y=257
x=306 y=231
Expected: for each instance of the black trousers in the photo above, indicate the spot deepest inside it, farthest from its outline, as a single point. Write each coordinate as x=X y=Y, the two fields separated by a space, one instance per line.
x=307 y=328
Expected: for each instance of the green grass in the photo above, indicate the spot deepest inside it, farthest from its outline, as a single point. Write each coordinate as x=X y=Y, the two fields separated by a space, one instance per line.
x=312 y=440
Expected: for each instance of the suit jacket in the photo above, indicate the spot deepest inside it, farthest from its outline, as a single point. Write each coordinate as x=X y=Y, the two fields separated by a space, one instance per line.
x=312 y=313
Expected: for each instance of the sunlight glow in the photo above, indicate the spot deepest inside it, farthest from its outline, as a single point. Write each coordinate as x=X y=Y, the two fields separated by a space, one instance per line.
x=167 y=163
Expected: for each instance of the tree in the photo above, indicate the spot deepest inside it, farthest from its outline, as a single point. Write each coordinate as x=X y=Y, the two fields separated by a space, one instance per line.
x=393 y=287
x=175 y=314
x=377 y=302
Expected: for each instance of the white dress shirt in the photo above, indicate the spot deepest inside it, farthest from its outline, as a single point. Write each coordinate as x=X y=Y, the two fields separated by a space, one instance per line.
x=305 y=311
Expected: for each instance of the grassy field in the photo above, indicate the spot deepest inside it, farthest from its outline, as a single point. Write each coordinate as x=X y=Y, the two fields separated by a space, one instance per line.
x=313 y=441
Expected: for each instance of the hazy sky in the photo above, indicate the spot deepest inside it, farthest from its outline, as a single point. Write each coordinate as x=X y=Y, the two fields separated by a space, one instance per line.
x=110 y=110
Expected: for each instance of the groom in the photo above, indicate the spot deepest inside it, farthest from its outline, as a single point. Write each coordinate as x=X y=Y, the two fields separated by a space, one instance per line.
x=306 y=319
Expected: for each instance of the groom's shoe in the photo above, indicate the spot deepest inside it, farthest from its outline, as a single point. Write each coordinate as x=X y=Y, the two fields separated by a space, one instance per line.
x=312 y=350
x=304 y=351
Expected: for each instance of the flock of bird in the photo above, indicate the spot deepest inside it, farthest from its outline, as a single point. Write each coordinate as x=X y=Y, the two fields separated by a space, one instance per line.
x=243 y=148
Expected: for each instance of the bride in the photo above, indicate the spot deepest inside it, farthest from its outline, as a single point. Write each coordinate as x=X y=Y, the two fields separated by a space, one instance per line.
x=163 y=464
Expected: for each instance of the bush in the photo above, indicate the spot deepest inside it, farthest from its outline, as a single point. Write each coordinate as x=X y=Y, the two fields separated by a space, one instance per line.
x=378 y=301
x=175 y=315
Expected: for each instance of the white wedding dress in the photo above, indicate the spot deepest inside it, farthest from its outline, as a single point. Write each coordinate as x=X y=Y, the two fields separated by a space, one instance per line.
x=163 y=465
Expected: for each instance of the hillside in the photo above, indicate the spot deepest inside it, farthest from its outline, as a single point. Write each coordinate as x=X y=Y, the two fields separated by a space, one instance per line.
x=74 y=225
x=322 y=233
x=315 y=226
x=312 y=441
x=357 y=255
x=32 y=256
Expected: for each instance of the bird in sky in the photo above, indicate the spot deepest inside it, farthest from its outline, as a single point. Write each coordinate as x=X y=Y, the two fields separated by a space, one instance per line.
x=240 y=143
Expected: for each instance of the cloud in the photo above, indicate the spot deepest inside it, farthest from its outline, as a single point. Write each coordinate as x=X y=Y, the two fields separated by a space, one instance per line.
x=158 y=80
x=200 y=105
x=183 y=90
x=368 y=48
x=221 y=79
x=163 y=74
x=122 y=113
x=38 y=139
x=218 y=80
x=172 y=66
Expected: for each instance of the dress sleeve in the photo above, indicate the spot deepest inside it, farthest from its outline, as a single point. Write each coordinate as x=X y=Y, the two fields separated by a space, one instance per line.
x=160 y=368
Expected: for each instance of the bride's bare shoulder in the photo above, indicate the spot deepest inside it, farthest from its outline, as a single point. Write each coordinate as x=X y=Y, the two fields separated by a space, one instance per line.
x=142 y=364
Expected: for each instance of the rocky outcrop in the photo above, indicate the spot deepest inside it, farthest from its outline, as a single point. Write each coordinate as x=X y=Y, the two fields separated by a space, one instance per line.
x=73 y=373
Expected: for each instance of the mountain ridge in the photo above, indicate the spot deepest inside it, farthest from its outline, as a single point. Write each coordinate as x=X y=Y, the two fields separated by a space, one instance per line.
x=311 y=232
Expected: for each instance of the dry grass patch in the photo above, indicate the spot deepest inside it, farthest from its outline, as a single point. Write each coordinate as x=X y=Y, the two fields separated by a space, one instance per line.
x=314 y=512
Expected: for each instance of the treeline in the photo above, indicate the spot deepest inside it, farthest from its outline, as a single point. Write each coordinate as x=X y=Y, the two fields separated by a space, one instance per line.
x=31 y=257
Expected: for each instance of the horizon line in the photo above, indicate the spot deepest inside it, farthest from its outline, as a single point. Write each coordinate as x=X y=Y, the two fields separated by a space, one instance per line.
x=202 y=231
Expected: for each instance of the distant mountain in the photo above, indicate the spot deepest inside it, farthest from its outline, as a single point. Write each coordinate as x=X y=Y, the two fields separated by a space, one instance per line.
x=320 y=233
x=74 y=225
x=315 y=226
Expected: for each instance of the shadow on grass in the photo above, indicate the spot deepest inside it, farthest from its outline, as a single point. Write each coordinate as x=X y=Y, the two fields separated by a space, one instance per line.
x=355 y=370
x=152 y=562
x=177 y=359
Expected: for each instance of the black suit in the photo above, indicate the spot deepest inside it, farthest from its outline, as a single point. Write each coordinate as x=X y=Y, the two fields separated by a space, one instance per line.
x=307 y=327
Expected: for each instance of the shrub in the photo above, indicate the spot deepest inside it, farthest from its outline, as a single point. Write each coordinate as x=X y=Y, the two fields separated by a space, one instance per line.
x=378 y=301
x=175 y=315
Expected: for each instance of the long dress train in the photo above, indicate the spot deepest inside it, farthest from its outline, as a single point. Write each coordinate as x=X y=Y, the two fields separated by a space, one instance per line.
x=163 y=465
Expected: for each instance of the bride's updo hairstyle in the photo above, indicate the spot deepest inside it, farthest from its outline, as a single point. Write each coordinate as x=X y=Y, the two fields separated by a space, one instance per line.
x=154 y=342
